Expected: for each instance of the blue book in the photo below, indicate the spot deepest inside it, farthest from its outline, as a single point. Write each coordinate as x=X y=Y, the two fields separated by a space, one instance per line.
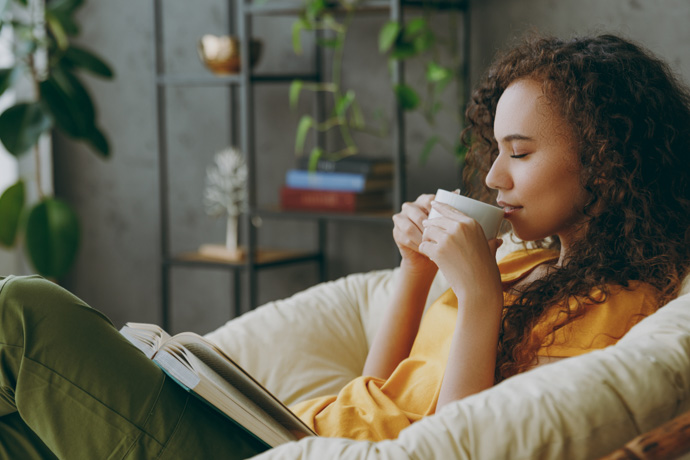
x=338 y=181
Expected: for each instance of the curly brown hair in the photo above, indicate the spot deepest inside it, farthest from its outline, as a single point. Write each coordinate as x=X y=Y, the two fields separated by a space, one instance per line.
x=631 y=120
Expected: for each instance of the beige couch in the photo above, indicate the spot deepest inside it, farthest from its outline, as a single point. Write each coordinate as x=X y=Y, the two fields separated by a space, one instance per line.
x=314 y=342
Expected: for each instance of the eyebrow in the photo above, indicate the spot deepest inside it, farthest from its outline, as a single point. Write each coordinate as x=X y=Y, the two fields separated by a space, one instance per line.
x=517 y=137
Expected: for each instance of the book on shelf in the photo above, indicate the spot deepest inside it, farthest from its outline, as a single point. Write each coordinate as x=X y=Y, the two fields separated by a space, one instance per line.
x=333 y=201
x=337 y=181
x=203 y=369
x=357 y=164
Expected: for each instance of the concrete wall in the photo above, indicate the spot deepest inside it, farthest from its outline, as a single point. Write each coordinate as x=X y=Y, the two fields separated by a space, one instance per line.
x=118 y=268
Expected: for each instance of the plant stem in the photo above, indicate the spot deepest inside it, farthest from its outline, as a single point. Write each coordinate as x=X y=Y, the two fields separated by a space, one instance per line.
x=337 y=78
x=37 y=150
x=38 y=28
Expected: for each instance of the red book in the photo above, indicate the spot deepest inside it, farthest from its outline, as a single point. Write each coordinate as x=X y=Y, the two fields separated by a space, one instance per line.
x=333 y=201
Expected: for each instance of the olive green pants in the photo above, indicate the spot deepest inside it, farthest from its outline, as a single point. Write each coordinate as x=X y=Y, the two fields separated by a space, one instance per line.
x=71 y=387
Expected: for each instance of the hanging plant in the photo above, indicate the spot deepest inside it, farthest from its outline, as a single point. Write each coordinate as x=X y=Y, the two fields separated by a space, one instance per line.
x=45 y=56
x=346 y=115
x=418 y=38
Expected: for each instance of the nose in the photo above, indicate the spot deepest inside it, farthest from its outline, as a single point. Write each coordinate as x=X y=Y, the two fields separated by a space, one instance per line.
x=498 y=177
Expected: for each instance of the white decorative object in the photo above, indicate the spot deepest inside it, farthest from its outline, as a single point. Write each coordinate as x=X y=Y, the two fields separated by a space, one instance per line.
x=226 y=195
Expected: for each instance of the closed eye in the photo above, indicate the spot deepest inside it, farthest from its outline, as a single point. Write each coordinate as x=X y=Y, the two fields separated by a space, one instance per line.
x=519 y=155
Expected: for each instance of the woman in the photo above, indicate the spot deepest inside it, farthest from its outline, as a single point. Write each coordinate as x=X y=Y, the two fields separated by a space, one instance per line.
x=583 y=141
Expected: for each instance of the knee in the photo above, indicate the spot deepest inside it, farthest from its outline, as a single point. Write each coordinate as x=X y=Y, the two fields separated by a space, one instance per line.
x=40 y=299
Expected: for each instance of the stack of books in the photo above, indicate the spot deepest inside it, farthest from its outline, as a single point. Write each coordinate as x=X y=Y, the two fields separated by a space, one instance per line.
x=351 y=184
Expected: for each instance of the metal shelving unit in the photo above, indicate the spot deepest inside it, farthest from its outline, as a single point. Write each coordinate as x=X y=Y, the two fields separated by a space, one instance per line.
x=243 y=132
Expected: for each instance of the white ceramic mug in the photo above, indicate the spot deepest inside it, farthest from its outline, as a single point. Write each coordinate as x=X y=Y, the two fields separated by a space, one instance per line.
x=488 y=216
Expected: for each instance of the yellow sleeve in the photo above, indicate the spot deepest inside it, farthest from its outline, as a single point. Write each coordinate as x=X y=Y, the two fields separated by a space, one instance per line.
x=601 y=324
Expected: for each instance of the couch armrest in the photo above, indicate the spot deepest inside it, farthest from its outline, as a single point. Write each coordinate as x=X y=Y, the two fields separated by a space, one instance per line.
x=577 y=408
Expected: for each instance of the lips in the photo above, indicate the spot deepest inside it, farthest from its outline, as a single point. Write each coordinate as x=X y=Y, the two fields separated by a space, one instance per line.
x=508 y=209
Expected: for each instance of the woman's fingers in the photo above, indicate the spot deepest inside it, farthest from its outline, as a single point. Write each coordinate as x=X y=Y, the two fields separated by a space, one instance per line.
x=406 y=233
x=408 y=223
x=452 y=231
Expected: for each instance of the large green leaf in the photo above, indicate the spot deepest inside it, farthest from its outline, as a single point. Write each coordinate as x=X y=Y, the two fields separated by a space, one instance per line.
x=295 y=90
x=297 y=28
x=69 y=117
x=437 y=73
x=21 y=126
x=70 y=104
x=56 y=28
x=7 y=77
x=62 y=23
x=11 y=205
x=99 y=142
x=63 y=6
x=305 y=124
x=415 y=38
x=415 y=27
x=72 y=108
x=52 y=237
x=84 y=59
x=388 y=35
x=314 y=158
x=75 y=90
x=407 y=97
x=62 y=11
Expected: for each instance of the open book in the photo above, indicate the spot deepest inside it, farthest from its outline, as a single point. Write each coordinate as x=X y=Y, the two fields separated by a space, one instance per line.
x=202 y=368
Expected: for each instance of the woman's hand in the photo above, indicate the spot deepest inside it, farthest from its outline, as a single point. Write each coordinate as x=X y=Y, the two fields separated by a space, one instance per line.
x=407 y=234
x=401 y=317
x=456 y=244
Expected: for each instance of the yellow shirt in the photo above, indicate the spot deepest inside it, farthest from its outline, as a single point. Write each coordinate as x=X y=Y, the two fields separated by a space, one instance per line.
x=373 y=409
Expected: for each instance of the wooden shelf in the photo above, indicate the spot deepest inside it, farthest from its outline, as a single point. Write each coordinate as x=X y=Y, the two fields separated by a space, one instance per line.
x=226 y=80
x=276 y=212
x=263 y=258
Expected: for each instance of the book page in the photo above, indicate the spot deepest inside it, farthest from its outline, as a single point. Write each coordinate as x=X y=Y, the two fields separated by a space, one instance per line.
x=201 y=367
x=180 y=364
x=146 y=337
x=224 y=366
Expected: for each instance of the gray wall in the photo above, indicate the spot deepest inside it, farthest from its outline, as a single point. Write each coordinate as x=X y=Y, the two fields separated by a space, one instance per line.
x=118 y=268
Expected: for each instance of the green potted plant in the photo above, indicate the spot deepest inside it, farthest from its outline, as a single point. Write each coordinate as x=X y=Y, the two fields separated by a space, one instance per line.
x=346 y=115
x=45 y=56
x=417 y=38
